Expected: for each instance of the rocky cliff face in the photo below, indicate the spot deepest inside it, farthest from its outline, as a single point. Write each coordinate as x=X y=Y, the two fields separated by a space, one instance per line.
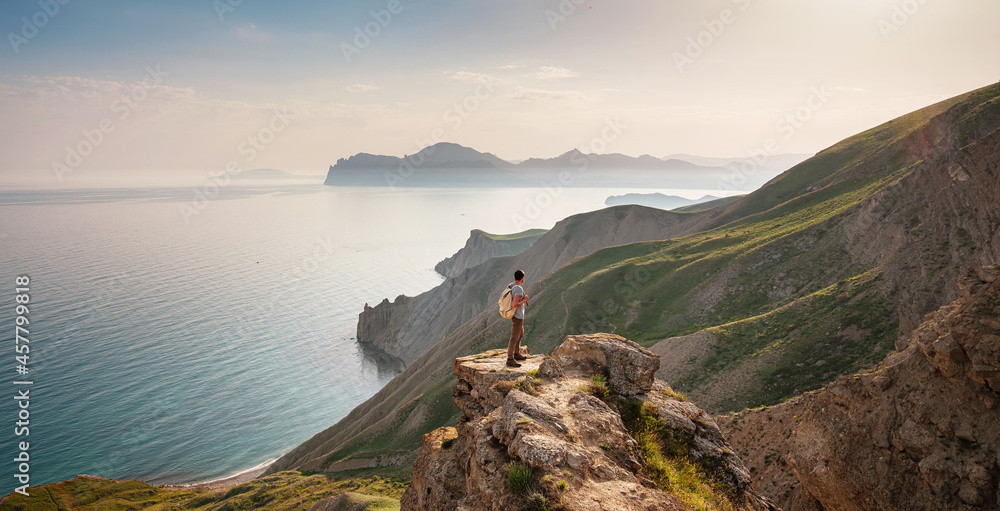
x=375 y=324
x=536 y=437
x=763 y=439
x=483 y=246
x=920 y=431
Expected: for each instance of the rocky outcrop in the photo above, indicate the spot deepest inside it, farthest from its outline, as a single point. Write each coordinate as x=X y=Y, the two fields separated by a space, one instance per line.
x=917 y=432
x=374 y=323
x=483 y=246
x=573 y=449
x=629 y=367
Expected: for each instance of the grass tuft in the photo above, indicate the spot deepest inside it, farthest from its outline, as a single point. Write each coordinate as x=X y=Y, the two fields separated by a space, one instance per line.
x=674 y=394
x=599 y=387
x=519 y=477
x=526 y=384
x=539 y=502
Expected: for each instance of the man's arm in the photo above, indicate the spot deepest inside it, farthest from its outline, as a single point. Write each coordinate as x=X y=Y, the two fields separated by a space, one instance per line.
x=518 y=300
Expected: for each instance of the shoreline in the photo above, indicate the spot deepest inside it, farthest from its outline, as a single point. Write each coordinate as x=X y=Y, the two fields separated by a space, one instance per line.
x=227 y=481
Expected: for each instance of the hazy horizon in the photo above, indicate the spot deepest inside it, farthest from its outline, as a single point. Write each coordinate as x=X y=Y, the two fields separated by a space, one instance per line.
x=150 y=90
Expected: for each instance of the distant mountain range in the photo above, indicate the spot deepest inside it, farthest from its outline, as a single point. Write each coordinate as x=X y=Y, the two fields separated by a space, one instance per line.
x=446 y=155
x=655 y=200
x=783 y=161
x=443 y=155
x=669 y=202
x=614 y=161
x=447 y=163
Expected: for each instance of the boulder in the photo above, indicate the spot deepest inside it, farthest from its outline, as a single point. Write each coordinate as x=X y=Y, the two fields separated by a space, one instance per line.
x=630 y=368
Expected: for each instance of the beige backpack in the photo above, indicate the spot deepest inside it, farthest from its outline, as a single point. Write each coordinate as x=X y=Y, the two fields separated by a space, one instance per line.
x=505 y=302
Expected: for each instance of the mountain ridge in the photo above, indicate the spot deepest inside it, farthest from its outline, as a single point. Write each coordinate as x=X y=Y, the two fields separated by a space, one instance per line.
x=448 y=155
x=657 y=200
x=440 y=155
x=780 y=160
x=482 y=246
x=447 y=164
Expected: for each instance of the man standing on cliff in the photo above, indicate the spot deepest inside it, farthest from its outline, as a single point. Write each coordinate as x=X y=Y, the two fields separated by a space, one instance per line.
x=518 y=302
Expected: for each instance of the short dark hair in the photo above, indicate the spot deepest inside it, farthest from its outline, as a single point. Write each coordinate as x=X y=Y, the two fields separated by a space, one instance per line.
x=518 y=274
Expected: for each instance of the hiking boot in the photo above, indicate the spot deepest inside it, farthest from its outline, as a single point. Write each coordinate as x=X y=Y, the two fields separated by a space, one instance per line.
x=512 y=363
x=519 y=357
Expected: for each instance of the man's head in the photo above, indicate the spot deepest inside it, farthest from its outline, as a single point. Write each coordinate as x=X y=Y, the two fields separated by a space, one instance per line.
x=518 y=276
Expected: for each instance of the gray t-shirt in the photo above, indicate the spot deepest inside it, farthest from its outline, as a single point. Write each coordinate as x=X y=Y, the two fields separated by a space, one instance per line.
x=516 y=290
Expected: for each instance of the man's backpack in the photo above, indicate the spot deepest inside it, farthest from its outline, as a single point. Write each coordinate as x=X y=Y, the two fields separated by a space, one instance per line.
x=505 y=302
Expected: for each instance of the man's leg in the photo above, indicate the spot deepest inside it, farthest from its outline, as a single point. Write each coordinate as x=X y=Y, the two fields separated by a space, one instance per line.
x=520 y=337
x=516 y=332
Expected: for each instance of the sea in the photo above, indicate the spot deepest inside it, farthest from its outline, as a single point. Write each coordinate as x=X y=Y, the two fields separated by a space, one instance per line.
x=180 y=334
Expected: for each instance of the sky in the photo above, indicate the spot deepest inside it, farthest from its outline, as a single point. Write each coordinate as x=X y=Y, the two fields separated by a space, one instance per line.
x=144 y=89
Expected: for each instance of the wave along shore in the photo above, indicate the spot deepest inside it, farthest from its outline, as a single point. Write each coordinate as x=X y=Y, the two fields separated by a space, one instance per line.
x=230 y=480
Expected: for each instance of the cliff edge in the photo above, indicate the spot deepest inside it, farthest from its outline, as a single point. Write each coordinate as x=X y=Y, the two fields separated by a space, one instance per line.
x=483 y=246
x=588 y=428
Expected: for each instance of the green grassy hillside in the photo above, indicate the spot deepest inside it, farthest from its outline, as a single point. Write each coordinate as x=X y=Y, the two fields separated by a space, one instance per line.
x=284 y=491
x=516 y=236
x=703 y=206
